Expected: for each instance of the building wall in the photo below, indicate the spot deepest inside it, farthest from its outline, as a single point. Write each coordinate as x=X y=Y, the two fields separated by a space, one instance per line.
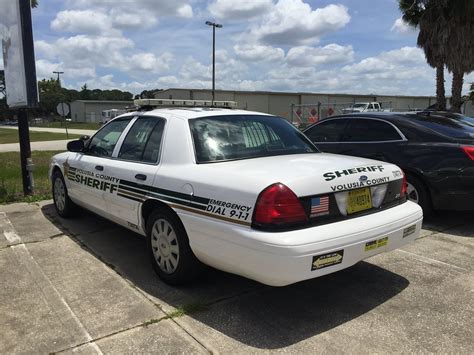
x=91 y=111
x=278 y=103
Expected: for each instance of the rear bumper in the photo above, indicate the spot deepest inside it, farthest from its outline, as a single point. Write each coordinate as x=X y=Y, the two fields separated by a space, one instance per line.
x=279 y=259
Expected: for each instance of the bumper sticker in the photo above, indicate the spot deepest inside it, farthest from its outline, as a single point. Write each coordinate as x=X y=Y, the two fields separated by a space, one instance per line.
x=325 y=260
x=375 y=244
x=409 y=230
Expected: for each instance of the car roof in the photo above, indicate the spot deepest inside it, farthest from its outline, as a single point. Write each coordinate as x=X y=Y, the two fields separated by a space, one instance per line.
x=187 y=113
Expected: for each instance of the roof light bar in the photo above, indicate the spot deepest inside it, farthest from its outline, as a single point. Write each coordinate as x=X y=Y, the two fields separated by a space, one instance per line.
x=184 y=103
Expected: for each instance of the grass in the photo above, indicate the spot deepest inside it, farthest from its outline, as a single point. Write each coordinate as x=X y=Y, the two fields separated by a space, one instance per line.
x=11 y=136
x=11 y=187
x=72 y=125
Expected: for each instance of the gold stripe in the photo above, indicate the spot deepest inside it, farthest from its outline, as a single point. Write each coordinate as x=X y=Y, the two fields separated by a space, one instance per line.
x=204 y=213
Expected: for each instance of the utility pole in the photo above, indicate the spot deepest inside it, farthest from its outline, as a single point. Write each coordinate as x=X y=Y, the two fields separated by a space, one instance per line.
x=20 y=76
x=62 y=102
x=214 y=26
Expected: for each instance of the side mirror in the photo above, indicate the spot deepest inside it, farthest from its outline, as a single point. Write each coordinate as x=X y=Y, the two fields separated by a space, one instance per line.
x=76 y=146
x=84 y=137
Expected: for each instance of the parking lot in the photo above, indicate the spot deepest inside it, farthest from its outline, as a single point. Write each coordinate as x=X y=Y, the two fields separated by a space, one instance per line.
x=85 y=285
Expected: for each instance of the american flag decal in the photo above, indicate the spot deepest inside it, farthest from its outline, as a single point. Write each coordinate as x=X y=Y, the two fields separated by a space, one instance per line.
x=319 y=206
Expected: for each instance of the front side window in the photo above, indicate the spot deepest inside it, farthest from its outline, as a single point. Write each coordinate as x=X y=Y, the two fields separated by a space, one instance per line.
x=367 y=130
x=143 y=141
x=103 y=142
x=232 y=137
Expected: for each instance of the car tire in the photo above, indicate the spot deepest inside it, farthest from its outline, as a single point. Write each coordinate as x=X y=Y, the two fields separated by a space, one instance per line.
x=62 y=203
x=418 y=193
x=169 y=250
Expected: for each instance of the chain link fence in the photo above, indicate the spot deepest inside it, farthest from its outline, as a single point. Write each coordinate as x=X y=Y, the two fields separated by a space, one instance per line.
x=304 y=115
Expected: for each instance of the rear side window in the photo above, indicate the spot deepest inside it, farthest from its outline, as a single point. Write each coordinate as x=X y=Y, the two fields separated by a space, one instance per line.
x=143 y=141
x=368 y=130
x=449 y=124
x=232 y=137
x=327 y=131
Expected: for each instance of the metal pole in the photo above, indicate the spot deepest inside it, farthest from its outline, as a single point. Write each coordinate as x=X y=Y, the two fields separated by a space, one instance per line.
x=62 y=102
x=25 y=152
x=213 y=63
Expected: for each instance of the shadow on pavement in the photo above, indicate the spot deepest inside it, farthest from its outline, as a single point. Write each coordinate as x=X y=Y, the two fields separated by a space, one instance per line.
x=251 y=313
x=458 y=223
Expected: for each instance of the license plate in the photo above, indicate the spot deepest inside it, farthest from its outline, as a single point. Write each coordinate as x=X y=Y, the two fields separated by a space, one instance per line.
x=359 y=200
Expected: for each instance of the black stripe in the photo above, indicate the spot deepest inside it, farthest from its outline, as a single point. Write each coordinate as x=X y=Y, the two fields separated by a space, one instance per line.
x=164 y=198
x=129 y=197
x=166 y=192
x=133 y=194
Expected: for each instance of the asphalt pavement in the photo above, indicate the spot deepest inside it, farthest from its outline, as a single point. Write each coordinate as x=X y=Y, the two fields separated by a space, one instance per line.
x=85 y=285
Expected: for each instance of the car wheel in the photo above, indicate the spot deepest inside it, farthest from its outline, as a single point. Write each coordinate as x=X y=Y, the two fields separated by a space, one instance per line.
x=62 y=203
x=418 y=193
x=169 y=250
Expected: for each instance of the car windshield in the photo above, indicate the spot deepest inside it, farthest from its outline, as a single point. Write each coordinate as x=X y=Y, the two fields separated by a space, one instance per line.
x=231 y=137
x=449 y=124
x=359 y=105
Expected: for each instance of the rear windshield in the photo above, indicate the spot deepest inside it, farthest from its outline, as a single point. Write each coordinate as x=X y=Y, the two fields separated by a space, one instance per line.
x=449 y=124
x=231 y=137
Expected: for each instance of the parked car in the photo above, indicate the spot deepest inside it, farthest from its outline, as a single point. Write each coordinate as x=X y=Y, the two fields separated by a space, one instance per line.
x=364 y=107
x=435 y=149
x=241 y=191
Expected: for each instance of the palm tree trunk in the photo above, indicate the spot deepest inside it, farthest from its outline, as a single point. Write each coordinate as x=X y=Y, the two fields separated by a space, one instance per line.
x=440 y=94
x=456 y=91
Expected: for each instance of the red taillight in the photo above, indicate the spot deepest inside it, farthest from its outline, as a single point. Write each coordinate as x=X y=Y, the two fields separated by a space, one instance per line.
x=278 y=205
x=469 y=150
x=404 y=188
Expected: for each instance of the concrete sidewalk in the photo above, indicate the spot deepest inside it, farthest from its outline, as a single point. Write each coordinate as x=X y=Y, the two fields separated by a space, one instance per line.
x=56 y=130
x=47 y=145
x=85 y=284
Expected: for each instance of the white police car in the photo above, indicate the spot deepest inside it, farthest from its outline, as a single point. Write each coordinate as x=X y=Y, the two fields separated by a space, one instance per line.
x=241 y=191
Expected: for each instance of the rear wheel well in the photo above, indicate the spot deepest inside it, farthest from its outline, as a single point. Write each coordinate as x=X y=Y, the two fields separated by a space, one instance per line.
x=150 y=205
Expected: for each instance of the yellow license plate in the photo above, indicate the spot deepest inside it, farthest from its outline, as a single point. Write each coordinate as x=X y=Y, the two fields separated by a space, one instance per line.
x=359 y=200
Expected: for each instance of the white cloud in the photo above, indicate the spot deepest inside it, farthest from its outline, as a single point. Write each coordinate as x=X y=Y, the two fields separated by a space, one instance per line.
x=85 y=21
x=132 y=19
x=245 y=9
x=44 y=70
x=295 y=22
x=255 y=52
x=310 y=56
x=401 y=26
x=117 y=53
x=179 y=8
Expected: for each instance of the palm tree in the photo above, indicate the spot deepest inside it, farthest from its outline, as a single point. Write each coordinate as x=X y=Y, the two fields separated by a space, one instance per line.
x=460 y=45
x=428 y=17
x=34 y=3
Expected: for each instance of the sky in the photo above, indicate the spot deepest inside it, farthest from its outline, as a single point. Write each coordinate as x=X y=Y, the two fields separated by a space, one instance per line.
x=346 y=46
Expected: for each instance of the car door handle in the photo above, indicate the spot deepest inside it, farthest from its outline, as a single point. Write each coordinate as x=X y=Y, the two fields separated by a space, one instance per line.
x=99 y=167
x=140 y=177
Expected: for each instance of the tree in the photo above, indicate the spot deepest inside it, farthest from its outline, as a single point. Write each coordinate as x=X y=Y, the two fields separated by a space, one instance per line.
x=428 y=16
x=459 y=45
x=34 y=3
x=3 y=89
x=471 y=94
x=446 y=32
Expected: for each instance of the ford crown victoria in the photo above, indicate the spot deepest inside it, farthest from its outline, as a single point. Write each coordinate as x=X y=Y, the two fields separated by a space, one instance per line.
x=241 y=191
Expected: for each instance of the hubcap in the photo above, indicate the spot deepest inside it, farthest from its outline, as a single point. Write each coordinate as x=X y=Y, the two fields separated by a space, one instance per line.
x=412 y=193
x=165 y=246
x=59 y=194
